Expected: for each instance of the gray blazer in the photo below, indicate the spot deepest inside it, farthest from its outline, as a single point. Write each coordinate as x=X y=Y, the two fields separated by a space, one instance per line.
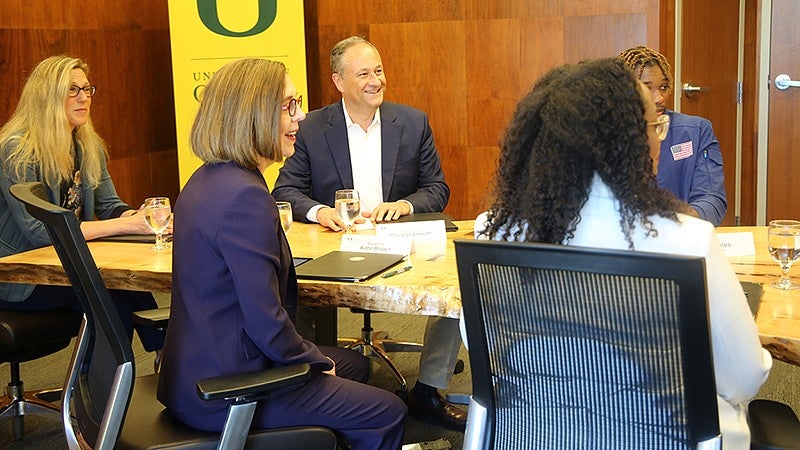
x=19 y=231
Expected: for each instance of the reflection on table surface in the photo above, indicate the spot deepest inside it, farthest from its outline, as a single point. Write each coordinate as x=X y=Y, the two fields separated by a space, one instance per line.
x=778 y=316
x=430 y=288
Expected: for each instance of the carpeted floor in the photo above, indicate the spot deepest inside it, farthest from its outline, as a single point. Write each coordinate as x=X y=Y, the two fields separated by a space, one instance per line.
x=783 y=383
x=49 y=372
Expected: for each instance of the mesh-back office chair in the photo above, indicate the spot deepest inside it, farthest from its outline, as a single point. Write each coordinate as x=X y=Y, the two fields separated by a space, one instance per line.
x=584 y=348
x=25 y=336
x=112 y=409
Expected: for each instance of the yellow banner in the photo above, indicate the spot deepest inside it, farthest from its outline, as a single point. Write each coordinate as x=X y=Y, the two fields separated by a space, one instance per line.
x=207 y=34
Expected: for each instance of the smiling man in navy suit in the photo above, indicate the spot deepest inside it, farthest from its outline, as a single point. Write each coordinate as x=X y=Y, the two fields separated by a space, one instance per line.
x=386 y=152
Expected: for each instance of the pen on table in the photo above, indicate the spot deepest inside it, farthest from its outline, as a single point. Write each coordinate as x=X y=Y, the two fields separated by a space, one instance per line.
x=392 y=273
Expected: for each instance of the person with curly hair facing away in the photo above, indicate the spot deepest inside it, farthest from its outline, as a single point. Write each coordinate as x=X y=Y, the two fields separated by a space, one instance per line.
x=577 y=167
x=690 y=160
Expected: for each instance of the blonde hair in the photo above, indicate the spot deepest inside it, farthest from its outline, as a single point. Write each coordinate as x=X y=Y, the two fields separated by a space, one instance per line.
x=39 y=133
x=240 y=112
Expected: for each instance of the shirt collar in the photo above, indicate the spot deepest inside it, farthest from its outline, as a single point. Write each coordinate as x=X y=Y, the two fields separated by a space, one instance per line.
x=349 y=122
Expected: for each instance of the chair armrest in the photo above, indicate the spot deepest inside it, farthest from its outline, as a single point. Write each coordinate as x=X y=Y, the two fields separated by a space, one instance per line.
x=250 y=386
x=773 y=425
x=158 y=318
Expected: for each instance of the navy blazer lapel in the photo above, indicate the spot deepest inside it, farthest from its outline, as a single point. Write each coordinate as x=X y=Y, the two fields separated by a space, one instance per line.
x=336 y=137
x=391 y=132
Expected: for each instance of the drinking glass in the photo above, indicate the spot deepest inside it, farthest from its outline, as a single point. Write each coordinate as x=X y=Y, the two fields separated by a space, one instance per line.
x=285 y=211
x=783 y=239
x=348 y=206
x=158 y=217
x=156 y=201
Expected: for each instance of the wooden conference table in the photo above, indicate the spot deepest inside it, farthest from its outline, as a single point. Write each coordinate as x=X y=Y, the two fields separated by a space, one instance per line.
x=430 y=288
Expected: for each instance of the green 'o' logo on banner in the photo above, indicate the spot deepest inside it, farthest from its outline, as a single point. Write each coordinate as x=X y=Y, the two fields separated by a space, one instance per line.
x=267 y=10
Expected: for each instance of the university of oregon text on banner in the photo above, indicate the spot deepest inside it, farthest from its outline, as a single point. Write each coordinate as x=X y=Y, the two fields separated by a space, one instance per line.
x=206 y=34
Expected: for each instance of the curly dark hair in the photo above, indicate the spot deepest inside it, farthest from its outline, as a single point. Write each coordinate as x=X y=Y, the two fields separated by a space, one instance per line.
x=576 y=121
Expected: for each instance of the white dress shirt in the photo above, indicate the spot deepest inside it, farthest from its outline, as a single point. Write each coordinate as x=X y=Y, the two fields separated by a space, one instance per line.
x=741 y=365
x=365 y=159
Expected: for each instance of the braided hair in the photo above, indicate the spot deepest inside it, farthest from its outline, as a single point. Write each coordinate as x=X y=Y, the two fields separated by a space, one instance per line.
x=640 y=57
x=576 y=121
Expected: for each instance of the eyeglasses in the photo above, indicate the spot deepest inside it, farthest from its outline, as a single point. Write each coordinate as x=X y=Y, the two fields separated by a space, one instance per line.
x=88 y=90
x=292 y=105
x=662 y=126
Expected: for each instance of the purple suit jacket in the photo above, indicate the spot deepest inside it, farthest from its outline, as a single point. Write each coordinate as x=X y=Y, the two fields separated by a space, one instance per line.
x=410 y=166
x=234 y=291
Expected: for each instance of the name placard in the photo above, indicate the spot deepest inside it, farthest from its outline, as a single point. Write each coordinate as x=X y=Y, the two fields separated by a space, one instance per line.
x=737 y=244
x=429 y=237
x=375 y=244
x=429 y=230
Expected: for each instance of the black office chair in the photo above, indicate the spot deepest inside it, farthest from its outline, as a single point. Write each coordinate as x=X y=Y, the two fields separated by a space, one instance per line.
x=584 y=348
x=113 y=409
x=773 y=425
x=25 y=336
x=377 y=344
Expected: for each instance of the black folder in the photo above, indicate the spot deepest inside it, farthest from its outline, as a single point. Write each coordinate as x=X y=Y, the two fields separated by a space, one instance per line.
x=346 y=266
x=140 y=238
x=753 y=292
x=448 y=221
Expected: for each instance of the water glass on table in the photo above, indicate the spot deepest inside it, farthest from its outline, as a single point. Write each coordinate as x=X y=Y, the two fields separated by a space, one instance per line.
x=348 y=207
x=157 y=216
x=285 y=211
x=783 y=240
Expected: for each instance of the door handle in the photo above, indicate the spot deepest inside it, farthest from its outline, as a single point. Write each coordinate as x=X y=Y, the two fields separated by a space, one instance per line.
x=784 y=81
x=689 y=90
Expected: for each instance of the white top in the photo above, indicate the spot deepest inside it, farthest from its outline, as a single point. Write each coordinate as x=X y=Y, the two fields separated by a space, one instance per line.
x=365 y=159
x=741 y=365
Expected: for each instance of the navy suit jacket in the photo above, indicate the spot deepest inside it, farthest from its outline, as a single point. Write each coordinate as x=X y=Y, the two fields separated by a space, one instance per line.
x=410 y=166
x=233 y=291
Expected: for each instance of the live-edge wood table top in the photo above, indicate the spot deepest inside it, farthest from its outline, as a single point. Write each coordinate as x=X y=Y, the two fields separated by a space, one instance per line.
x=430 y=288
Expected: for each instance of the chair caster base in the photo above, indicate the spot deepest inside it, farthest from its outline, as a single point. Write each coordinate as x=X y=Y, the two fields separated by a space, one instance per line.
x=402 y=393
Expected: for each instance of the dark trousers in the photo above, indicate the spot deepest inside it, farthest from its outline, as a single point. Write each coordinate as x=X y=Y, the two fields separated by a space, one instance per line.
x=364 y=416
x=47 y=298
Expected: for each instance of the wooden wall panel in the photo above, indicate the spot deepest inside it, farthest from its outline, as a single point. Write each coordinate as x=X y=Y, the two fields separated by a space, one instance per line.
x=602 y=36
x=493 y=82
x=126 y=45
x=467 y=62
x=84 y=15
x=337 y=12
x=542 y=48
x=433 y=81
x=602 y=7
x=19 y=52
x=513 y=9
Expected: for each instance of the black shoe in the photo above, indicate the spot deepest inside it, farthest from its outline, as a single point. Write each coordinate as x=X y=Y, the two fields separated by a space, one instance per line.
x=436 y=407
x=459 y=367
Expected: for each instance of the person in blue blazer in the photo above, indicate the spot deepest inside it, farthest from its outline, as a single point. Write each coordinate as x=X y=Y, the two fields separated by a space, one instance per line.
x=234 y=288
x=386 y=152
x=690 y=162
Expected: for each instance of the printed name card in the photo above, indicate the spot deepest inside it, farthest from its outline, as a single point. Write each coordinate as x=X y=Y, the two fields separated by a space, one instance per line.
x=375 y=244
x=428 y=230
x=429 y=237
x=737 y=244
